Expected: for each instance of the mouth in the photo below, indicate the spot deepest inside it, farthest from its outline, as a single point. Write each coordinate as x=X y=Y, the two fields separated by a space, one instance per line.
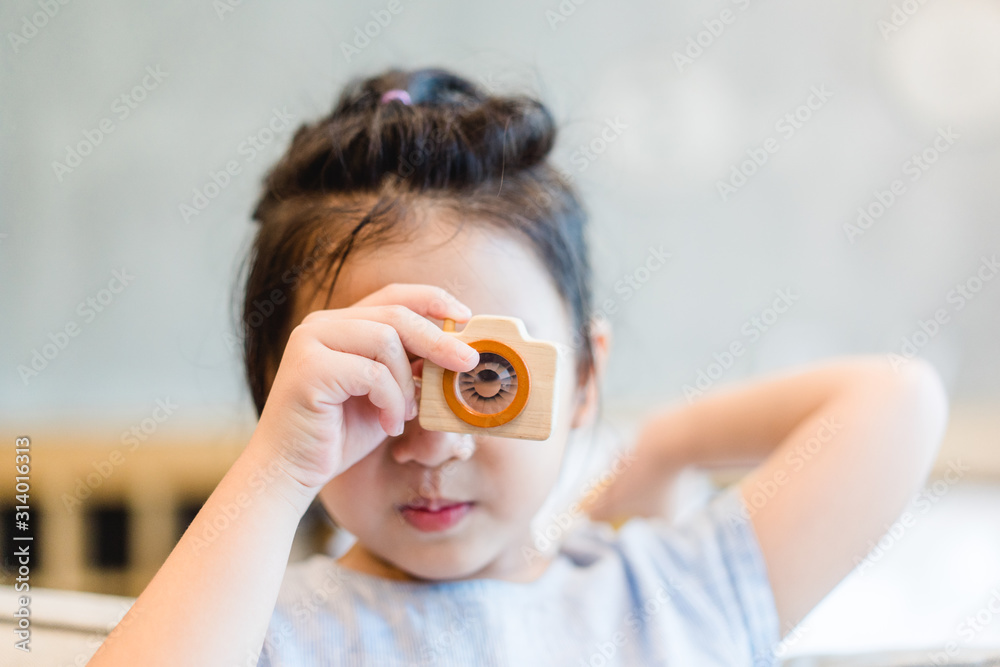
x=435 y=514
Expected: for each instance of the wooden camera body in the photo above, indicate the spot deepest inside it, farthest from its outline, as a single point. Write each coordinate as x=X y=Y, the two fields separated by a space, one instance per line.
x=511 y=393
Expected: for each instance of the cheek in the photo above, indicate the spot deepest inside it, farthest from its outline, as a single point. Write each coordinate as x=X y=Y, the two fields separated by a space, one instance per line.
x=526 y=474
x=351 y=496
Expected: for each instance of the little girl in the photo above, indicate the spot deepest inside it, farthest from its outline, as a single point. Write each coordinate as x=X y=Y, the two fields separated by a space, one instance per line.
x=421 y=198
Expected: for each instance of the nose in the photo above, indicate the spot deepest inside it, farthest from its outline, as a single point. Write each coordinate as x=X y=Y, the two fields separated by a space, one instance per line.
x=431 y=448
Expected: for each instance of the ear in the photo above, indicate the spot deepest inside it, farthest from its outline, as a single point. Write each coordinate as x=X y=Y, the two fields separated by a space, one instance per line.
x=588 y=391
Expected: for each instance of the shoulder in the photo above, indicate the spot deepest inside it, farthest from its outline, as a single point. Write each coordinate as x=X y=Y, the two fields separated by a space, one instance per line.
x=308 y=587
x=316 y=569
x=719 y=529
x=709 y=567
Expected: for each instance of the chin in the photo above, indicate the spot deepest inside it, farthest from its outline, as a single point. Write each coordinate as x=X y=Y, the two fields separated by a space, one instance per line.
x=443 y=567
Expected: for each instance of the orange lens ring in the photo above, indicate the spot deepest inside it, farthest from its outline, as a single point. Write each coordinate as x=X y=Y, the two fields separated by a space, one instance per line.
x=520 y=398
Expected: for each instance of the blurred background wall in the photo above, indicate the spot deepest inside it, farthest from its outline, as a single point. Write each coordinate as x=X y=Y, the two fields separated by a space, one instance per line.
x=668 y=111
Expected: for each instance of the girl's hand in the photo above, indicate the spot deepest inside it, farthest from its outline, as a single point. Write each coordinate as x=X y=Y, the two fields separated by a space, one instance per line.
x=345 y=383
x=645 y=484
x=643 y=489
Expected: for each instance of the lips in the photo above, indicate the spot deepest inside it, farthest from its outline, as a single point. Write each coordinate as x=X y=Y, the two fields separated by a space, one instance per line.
x=435 y=514
x=433 y=504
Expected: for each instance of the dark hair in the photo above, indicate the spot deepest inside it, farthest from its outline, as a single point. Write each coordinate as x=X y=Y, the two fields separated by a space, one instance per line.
x=350 y=179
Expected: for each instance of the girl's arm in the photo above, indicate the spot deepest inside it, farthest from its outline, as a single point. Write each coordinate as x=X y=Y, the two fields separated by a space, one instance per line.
x=845 y=445
x=211 y=601
x=344 y=384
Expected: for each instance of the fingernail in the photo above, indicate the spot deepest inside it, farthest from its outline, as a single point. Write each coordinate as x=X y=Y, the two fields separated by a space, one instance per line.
x=465 y=309
x=413 y=410
x=468 y=353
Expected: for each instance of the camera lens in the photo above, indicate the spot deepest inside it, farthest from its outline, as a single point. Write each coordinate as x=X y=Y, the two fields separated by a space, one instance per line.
x=490 y=387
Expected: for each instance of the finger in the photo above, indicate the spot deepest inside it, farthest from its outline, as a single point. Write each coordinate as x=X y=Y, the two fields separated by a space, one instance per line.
x=417 y=334
x=371 y=339
x=346 y=375
x=425 y=300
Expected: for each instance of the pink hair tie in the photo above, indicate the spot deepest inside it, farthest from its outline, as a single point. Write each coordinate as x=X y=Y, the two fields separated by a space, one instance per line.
x=396 y=94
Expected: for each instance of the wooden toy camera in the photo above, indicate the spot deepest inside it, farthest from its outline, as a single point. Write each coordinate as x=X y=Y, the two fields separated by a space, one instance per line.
x=511 y=393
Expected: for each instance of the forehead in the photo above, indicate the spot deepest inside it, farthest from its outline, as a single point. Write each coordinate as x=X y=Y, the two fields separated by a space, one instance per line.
x=492 y=271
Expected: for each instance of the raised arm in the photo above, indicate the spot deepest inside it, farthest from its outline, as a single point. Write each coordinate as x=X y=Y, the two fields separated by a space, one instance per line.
x=864 y=441
x=344 y=384
x=211 y=601
x=843 y=445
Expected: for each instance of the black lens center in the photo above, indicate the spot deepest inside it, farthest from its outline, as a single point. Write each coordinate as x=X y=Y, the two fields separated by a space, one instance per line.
x=489 y=387
x=487 y=382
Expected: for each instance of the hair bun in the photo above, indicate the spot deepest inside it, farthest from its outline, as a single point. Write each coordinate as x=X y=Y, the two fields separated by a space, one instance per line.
x=453 y=135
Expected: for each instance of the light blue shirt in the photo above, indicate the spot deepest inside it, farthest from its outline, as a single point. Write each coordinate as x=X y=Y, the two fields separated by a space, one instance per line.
x=692 y=595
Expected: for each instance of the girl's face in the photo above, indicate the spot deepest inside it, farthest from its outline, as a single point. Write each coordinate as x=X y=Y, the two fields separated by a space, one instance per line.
x=505 y=479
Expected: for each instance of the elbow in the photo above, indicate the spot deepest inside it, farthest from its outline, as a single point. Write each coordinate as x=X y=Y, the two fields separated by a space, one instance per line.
x=929 y=393
x=924 y=390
